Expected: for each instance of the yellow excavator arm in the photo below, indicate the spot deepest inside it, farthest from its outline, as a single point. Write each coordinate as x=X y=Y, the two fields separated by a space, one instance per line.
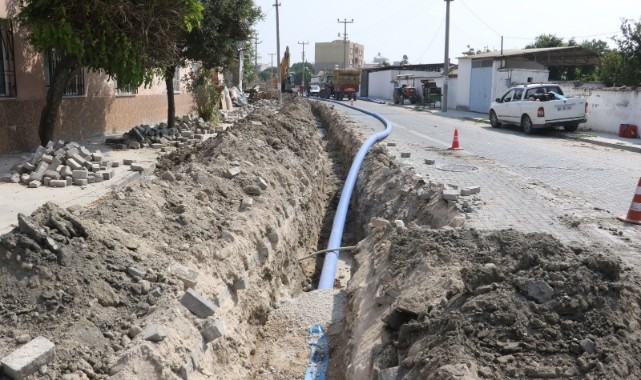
x=284 y=65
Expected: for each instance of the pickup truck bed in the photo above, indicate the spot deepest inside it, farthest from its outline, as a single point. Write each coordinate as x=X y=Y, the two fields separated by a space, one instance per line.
x=538 y=106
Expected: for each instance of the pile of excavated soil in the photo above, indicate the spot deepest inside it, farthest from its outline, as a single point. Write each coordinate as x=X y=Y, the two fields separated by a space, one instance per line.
x=228 y=218
x=445 y=304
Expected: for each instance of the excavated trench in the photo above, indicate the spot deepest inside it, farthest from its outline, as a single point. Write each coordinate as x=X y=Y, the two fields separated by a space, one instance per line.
x=195 y=273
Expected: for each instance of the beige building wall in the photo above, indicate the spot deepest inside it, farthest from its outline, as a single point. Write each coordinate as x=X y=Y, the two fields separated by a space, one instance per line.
x=329 y=55
x=100 y=110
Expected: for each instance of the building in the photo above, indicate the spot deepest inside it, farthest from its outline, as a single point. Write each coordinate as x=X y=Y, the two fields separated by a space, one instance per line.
x=339 y=53
x=93 y=103
x=484 y=77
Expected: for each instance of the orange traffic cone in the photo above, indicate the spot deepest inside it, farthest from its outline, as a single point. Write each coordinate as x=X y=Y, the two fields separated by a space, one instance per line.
x=455 y=145
x=634 y=213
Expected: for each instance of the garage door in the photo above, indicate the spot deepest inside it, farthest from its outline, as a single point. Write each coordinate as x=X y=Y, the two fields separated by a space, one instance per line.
x=481 y=85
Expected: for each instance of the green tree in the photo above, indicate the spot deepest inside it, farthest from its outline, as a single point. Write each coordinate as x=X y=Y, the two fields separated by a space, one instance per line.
x=214 y=43
x=546 y=41
x=267 y=74
x=126 y=39
x=297 y=70
x=598 y=46
x=628 y=63
x=470 y=51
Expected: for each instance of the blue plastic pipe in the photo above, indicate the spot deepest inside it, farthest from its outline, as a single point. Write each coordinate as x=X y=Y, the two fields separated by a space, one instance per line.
x=328 y=274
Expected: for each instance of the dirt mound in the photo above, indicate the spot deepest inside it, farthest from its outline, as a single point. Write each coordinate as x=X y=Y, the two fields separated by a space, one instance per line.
x=499 y=305
x=227 y=217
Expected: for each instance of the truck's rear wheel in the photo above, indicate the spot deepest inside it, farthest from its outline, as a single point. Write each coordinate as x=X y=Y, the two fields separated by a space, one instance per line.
x=571 y=127
x=494 y=120
x=526 y=124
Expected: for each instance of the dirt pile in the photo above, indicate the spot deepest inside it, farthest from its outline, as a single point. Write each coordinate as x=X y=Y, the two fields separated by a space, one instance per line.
x=469 y=304
x=227 y=217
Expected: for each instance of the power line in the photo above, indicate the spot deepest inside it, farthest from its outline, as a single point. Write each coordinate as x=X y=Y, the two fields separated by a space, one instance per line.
x=345 y=22
x=480 y=19
x=432 y=41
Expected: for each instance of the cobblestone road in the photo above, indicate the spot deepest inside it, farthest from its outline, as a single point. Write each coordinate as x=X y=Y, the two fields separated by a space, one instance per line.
x=542 y=183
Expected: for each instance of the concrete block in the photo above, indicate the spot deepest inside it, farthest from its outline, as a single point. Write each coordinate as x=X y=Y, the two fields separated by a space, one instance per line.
x=127 y=161
x=246 y=203
x=106 y=174
x=80 y=182
x=97 y=156
x=156 y=145
x=34 y=184
x=450 y=195
x=391 y=144
x=470 y=190
x=198 y=304
x=95 y=167
x=429 y=162
x=58 y=183
x=71 y=151
x=27 y=359
x=10 y=178
x=85 y=152
x=29 y=167
x=213 y=330
x=136 y=272
x=87 y=165
x=405 y=155
x=91 y=178
x=52 y=174
x=262 y=183
x=69 y=180
x=137 y=168
x=41 y=168
x=97 y=178
x=79 y=159
x=79 y=174
x=115 y=164
x=73 y=164
x=46 y=158
x=46 y=180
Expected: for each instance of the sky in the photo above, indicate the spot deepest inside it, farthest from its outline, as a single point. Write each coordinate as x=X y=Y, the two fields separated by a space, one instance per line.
x=416 y=28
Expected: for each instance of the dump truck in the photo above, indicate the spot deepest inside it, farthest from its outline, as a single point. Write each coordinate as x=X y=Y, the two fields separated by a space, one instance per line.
x=340 y=83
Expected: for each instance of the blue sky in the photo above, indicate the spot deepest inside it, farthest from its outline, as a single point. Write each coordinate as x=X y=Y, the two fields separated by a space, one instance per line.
x=417 y=27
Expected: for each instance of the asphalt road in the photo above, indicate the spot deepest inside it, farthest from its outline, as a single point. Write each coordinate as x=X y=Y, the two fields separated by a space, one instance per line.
x=540 y=183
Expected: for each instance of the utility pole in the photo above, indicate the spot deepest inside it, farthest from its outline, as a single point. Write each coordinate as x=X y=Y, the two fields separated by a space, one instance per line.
x=304 y=43
x=256 y=42
x=345 y=22
x=280 y=96
x=446 y=61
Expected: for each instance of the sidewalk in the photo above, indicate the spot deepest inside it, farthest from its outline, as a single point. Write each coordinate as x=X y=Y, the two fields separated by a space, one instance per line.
x=17 y=198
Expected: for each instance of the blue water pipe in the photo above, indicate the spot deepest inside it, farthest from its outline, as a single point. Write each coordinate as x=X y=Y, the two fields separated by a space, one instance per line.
x=328 y=274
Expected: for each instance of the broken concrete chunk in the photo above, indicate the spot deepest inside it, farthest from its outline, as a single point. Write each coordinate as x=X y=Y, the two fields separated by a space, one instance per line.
x=388 y=373
x=154 y=333
x=429 y=162
x=135 y=272
x=261 y=183
x=198 y=304
x=540 y=291
x=168 y=176
x=406 y=155
x=28 y=358
x=241 y=283
x=252 y=190
x=231 y=172
x=246 y=203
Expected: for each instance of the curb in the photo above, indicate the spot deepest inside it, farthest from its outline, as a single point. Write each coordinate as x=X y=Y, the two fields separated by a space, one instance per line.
x=618 y=145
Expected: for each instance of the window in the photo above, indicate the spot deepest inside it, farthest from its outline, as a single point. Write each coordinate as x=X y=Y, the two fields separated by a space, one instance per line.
x=176 y=81
x=507 y=97
x=125 y=90
x=76 y=86
x=518 y=93
x=7 y=63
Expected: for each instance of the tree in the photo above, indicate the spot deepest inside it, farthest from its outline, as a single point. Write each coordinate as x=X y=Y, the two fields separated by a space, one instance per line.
x=598 y=46
x=297 y=70
x=268 y=73
x=225 y=25
x=546 y=41
x=470 y=51
x=628 y=64
x=123 y=38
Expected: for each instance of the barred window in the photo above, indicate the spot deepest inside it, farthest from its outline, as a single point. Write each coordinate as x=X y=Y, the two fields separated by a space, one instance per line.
x=7 y=61
x=76 y=86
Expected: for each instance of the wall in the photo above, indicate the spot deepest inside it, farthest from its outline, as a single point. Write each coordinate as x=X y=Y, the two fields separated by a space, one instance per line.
x=609 y=107
x=381 y=86
x=462 y=100
x=506 y=78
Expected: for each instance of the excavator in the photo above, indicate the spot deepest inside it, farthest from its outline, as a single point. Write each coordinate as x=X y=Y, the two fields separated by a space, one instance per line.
x=286 y=78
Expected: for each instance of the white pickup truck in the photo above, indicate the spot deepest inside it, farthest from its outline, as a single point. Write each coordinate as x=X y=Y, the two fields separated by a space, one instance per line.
x=538 y=106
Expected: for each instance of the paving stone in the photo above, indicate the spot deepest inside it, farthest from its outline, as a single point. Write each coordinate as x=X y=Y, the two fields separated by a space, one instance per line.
x=246 y=203
x=46 y=180
x=405 y=155
x=73 y=164
x=213 y=330
x=198 y=304
x=128 y=161
x=52 y=174
x=27 y=359
x=79 y=159
x=46 y=158
x=25 y=178
x=470 y=190
x=41 y=168
x=115 y=164
x=187 y=276
x=10 y=178
x=430 y=162
x=450 y=194
x=97 y=178
x=262 y=183
x=80 y=182
x=58 y=183
x=137 y=167
x=69 y=180
x=34 y=184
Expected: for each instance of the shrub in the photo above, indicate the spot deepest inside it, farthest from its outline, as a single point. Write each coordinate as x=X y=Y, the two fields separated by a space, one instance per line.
x=207 y=91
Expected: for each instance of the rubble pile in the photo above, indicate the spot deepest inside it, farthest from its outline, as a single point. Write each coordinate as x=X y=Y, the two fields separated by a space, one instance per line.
x=188 y=131
x=62 y=164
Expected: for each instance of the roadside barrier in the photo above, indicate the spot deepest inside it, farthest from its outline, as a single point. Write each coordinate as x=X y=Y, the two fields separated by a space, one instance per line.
x=634 y=213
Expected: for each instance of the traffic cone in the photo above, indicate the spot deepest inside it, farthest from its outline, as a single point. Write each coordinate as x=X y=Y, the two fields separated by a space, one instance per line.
x=634 y=213
x=455 y=145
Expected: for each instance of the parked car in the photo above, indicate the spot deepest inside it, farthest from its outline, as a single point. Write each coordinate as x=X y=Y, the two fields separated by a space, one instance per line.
x=535 y=106
x=314 y=90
